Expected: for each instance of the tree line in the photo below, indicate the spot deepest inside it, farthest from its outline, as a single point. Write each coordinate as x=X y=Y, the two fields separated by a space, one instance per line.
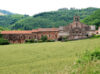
x=57 y=18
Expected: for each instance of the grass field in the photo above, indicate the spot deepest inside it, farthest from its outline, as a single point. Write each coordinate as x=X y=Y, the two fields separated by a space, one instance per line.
x=43 y=58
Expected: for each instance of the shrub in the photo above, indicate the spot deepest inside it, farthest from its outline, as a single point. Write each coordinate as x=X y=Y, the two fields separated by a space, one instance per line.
x=40 y=41
x=64 y=39
x=44 y=38
x=90 y=56
x=4 y=41
x=87 y=63
x=95 y=36
x=50 y=40
x=30 y=41
x=0 y=35
x=95 y=55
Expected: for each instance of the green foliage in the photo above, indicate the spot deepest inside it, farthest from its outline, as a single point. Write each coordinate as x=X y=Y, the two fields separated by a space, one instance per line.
x=4 y=42
x=57 y=18
x=0 y=35
x=95 y=55
x=40 y=41
x=8 y=20
x=64 y=38
x=44 y=38
x=29 y=41
x=50 y=40
x=93 y=19
x=95 y=36
x=1 y=29
x=89 y=56
x=30 y=23
x=86 y=61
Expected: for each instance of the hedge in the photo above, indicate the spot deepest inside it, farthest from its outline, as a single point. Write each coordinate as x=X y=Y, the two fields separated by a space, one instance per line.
x=4 y=41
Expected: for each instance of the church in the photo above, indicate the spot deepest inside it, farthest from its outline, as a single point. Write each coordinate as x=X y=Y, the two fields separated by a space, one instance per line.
x=76 y=30
x=73 y=31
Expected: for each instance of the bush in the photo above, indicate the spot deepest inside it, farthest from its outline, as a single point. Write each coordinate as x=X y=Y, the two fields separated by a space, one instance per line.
x=95 y=36
x=40 y=41
x=89 y=56
x=88 y=63
x=0 y=35
x=30 y=41
x=95 y=55
x=44 y=38
x=3 y=41
x=64 y=39
x=50 y=40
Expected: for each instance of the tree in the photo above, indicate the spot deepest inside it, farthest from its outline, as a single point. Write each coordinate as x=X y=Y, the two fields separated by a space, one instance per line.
x=4 y=41
x=44 y=38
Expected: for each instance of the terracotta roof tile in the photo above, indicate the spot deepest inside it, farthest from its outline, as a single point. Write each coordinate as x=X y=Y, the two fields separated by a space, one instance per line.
x=30 y=31
x=16 y=32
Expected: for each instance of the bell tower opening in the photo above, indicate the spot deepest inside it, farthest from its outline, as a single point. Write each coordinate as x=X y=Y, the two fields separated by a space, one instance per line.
x=76 y=18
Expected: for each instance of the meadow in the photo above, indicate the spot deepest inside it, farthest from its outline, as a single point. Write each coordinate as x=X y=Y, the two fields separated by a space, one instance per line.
x=44 y=58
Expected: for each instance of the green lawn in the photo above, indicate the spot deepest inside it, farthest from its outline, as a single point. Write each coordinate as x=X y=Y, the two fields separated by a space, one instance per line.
x=43 y=58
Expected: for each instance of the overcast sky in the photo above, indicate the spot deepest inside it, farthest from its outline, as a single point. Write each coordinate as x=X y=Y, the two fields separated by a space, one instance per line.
x=32 y=7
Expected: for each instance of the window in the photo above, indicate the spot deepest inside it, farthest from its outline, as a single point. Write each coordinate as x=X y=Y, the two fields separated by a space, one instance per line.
x=29 y=37
x=49 y=35
x=34 y=36
x=56 y=36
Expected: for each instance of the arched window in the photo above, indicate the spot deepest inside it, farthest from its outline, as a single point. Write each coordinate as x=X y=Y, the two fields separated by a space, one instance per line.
x=29 y=37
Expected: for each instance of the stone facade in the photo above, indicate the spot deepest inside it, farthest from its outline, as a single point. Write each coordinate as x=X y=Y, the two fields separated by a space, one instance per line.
x=98 y=32
x=76 y=30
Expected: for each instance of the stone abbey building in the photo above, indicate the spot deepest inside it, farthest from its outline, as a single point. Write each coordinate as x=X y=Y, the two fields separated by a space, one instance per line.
x=75 y=30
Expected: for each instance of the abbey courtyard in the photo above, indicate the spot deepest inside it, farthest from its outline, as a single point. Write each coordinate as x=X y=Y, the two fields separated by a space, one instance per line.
x=73 y=31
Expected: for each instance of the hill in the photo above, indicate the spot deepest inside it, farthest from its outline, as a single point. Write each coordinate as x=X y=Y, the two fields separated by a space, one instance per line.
x=1 y=29
x=52 y=19
x=43 y=20
x=93 y=19
x=47 y=58
x=5 y=12
x=7 y=20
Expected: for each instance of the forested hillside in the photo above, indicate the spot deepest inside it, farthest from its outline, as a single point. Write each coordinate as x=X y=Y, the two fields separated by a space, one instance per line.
x=93 y=19
x=1 y=29
x=8 y=20
x=52 y=19
x=47 y=19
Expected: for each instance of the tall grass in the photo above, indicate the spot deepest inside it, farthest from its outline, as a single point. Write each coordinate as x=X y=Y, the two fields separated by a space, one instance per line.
x=43 y=58
x=88 y=63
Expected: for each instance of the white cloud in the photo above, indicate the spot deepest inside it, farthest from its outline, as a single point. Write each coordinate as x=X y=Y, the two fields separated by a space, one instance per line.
x=36 y=6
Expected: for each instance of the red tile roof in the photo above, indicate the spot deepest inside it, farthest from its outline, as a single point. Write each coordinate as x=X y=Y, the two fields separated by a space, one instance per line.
x=30 y=31
x=16 y=32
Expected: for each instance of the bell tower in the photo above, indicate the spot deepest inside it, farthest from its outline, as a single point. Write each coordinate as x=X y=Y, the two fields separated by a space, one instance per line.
x=76 y=18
